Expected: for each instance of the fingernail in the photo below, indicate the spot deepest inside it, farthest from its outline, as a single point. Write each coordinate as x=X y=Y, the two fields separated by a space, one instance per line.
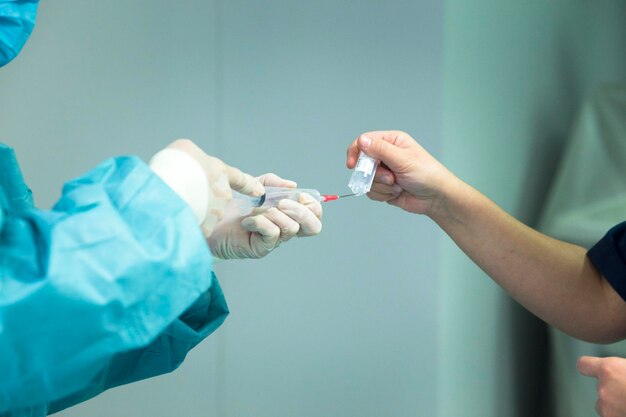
x=365 y=142
x=397 y=189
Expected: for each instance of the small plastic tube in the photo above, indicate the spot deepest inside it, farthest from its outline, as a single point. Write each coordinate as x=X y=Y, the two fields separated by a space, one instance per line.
x=363 y=174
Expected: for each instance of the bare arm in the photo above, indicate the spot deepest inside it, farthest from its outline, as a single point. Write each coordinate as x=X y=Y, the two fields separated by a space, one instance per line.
x=553 y=279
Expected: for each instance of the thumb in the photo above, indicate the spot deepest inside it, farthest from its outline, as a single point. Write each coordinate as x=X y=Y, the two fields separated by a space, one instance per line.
x=380 y=149
x=589 y=365
x=273 y=180
x=244 y=183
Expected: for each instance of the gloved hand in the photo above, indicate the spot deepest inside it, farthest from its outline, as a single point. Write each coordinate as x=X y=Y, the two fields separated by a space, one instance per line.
x=206 y=185
x=256 y=235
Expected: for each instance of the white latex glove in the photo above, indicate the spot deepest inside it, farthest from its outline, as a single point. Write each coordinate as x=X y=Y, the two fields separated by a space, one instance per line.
x=203 y=181
x=256 y=235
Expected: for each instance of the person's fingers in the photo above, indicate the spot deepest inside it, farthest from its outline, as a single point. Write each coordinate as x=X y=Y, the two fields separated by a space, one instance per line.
x=394 y=190
x=384 y=176
x=262 y=225
x=273 y=180
x=401 y=200
x=381 y=189
x=394 y=137
x=383 y=192
x=220 y=190
x=244 y=183
x=208 y=224
x=288 y=226
x=309 y=223
x=373 y=195
x=219 y=196
x=352 y=154
x=383 y=150
x=312 y=204
x=589 y=365
x=268 y=232
x=598 y=408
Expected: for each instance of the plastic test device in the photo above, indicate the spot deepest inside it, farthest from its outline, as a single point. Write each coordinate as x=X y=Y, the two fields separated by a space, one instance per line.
x=363 y=174
x=360 y=183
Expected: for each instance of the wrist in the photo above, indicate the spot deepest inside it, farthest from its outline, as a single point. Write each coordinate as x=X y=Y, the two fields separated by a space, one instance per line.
x=448 y=203
x=185 y=176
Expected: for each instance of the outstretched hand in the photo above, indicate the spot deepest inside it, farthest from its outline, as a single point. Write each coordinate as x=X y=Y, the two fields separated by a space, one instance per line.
x=407 y=177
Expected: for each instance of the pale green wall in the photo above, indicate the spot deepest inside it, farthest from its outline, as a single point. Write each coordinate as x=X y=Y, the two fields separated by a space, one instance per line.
x=515 y=73
x=341 y=325
x=402 y=326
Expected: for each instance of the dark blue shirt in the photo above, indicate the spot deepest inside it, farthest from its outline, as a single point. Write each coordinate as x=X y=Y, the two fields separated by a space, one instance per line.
x=609 y=256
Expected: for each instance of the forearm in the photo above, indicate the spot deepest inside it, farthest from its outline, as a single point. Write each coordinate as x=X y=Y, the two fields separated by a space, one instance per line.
x=553 y=279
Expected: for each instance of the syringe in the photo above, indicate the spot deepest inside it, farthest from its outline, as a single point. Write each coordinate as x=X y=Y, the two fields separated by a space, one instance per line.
x=275 y=194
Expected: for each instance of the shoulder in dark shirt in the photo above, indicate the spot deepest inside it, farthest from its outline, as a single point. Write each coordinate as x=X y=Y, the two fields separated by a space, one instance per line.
x=609 y=256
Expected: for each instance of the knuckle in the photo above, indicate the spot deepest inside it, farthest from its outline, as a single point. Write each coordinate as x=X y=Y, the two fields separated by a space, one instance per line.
x=317 y=228
x=313 y=206
x=218 y=212
x=381 y=188
x=273 y=232
x=378 y=197
x=267 y=177
x=317 y=210
x=251 y=223
x=229 y=194
x=382 y=145
x=299 y=215
x=312 y=229
x=289 y=230
x=238 y=177
x=258 y=252
x=605 y=368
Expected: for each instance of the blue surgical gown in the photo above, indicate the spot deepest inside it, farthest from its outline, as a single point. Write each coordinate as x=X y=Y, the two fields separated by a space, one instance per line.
x=112 y=285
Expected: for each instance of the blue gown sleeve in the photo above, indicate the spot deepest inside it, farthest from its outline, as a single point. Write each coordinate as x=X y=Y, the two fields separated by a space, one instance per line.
x=97 y=292
x=163 y=355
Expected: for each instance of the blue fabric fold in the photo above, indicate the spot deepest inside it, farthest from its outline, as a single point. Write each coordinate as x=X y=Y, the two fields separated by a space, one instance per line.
x=112 y=285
